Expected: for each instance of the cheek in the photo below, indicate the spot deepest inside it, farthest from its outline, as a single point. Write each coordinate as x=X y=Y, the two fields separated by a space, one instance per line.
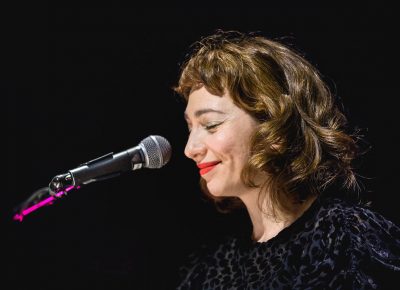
x=230 y=146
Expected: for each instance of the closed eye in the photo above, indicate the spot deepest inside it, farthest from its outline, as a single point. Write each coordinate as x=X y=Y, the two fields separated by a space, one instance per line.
x=211 y=127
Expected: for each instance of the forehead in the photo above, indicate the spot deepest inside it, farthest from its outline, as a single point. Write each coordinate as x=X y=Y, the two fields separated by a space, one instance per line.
x=203 y=100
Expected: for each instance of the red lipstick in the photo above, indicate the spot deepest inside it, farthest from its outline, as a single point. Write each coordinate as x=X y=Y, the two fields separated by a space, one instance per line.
x=207 y=166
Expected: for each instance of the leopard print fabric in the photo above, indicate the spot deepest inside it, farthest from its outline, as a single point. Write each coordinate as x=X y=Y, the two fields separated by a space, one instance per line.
x=333 y=245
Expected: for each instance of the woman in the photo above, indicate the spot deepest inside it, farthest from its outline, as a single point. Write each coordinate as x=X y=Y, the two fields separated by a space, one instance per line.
x=267 y=134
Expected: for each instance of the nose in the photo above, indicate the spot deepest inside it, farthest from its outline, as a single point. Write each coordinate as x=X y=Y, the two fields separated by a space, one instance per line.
x=195 y=148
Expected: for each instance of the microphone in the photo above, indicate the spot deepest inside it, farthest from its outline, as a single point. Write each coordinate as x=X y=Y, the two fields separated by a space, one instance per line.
x=152 y=152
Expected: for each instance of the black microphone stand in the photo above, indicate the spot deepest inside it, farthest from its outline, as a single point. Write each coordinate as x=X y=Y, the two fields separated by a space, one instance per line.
x=58 y=187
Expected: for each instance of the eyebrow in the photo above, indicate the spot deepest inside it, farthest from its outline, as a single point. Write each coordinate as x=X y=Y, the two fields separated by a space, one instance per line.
x=198 y=113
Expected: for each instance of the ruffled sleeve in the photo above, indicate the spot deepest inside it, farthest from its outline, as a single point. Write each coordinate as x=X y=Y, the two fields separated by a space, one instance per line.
x=374 y=250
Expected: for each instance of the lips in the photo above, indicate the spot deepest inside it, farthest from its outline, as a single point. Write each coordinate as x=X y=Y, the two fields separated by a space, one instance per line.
x=207 y=166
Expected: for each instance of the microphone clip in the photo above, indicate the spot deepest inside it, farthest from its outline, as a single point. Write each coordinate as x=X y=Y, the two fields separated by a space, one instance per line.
x=60 y=183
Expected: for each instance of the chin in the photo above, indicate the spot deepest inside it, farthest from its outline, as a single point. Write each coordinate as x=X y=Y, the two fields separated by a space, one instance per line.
x=219 y=192
x=211 y=190
x=214 y=192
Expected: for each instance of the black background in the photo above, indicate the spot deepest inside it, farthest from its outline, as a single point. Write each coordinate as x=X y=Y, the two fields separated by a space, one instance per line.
x=84 y=79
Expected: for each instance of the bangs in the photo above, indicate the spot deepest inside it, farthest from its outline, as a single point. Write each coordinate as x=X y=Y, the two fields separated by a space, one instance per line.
x=215 y=70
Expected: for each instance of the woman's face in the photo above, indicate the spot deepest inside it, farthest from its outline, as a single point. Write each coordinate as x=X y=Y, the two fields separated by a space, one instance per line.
x=218 y=141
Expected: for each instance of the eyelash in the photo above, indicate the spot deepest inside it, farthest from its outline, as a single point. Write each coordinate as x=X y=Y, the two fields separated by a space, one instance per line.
x=212 y=126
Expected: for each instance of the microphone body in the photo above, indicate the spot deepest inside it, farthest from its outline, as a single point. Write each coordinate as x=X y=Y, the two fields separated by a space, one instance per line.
x=107 y=166
x=152 y=152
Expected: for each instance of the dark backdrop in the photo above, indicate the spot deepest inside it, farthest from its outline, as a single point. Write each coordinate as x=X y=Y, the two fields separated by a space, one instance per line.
x=82 y=80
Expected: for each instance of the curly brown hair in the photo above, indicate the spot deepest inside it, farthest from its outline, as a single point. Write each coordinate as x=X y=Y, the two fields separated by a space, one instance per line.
x=301 y=141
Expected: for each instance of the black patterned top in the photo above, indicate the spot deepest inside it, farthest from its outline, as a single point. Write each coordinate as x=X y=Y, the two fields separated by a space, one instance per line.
x=333 y=245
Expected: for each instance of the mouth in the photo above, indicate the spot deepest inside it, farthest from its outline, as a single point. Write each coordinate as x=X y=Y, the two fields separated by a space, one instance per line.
x=207 y=166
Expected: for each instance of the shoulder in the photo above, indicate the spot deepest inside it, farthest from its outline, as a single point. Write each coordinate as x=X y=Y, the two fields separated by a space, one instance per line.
x=365 y=243
x=357 y=226
x=355 y=219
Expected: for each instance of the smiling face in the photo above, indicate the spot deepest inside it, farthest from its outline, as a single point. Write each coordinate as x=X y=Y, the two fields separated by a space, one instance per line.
x=218 y=142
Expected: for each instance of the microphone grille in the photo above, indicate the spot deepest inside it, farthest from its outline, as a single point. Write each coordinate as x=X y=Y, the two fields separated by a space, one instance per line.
x=157 y=151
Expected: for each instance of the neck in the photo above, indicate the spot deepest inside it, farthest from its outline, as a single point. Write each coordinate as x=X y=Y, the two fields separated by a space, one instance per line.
x=266 y=223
